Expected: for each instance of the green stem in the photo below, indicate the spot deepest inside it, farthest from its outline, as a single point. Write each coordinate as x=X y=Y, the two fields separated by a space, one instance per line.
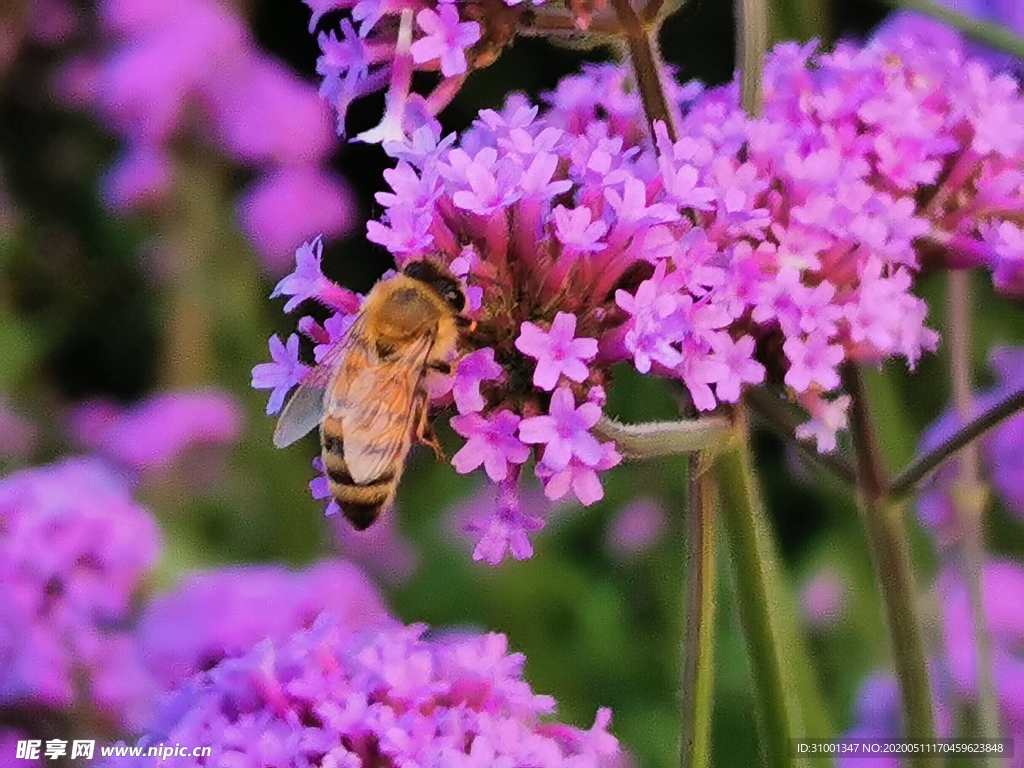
x=980 y=31
x=888 y=542
x=698 y=671
x=758 y=597
x=890 y=553
x=905 y=482
x=969 y=502
x=664 y=438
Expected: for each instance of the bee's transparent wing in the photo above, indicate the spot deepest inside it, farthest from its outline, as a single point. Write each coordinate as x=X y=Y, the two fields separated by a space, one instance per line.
x=302 y=413
x=380 y=407
x=305 y=408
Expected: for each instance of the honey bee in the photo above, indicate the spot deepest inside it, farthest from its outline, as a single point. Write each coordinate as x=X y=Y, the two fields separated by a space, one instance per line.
x=368 y=395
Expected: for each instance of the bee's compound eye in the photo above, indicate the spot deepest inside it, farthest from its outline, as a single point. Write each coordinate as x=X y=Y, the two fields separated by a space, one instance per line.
x=417 y=270
x=452 y=296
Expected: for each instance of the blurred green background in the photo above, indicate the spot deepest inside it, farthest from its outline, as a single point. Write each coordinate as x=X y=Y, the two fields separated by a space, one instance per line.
x=85 y=311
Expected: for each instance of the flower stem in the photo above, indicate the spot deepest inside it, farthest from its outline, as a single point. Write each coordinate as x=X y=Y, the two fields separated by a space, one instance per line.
x=969 y=502
x=698 y=671
x=187 y=358
x=773 y=410
x=664 y=438
x=751 y=44
x=990 y=34
x=647 y=67
x=757 y=595
x=552 y=21
x=890 y=553
x=926 y=463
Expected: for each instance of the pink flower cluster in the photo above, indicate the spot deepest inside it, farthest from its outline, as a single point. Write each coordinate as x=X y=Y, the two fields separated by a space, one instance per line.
x=745 y=251
x=190 y=70
x=389 y=697
x=948 y=136
x=207 y=662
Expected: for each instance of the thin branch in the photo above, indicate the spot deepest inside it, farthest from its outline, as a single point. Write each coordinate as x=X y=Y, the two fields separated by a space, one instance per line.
x=905 y=482
x=751 y=44
x=969 y=503
x=551 y=20
x=871 y=476
x=990 y=34
x=890 y=554
x=773 y=411
x=664 y=438
x=647 y=67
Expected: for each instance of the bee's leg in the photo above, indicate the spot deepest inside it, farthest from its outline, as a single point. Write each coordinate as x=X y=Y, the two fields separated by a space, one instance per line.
x=425 y=431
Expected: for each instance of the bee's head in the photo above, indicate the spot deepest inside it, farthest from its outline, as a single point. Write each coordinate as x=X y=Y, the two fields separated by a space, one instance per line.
x=446 y=286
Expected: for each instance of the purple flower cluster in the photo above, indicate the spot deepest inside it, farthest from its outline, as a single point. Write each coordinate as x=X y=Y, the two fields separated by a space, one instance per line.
x=158 y=431
x=191 y=69
x=1001 y=583
x=392 y=697
x=74 y=548
x=1002 y=451
x=1005 y=13
x=215 y=615
x=953 y=671
x=325 y=677
x=744 y=251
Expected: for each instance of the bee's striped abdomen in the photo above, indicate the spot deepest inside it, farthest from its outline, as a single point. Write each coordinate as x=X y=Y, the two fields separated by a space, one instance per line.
x=360 y=504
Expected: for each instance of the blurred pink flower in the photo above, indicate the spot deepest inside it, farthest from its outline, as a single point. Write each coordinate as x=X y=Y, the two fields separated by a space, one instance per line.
x=636 y=528
x=191 y=70
x=157 y=431
x=823 y=598
x=218 y=614
x=141 y=178
x=280 y=211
